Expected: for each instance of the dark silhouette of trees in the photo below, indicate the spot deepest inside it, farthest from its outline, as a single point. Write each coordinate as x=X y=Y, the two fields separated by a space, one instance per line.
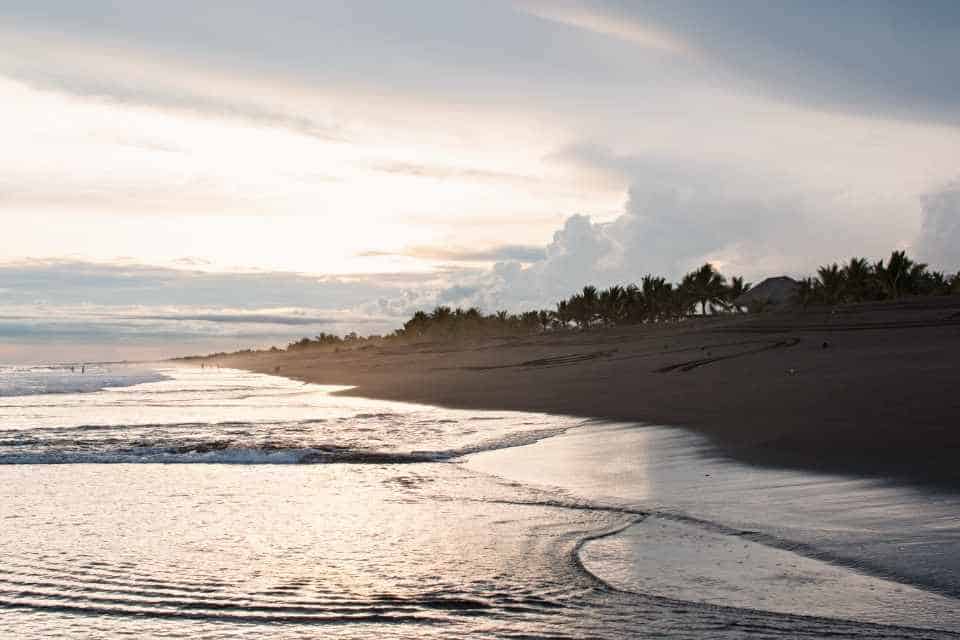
x=701 y=292
x=736 y=289
x=705 y=286
x=807 y=290
x=583 y=306
x=859 y=283
x=900 y=275
x=613 y=305
x=831 y=283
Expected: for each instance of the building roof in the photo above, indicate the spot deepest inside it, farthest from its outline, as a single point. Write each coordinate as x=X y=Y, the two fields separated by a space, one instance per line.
x=778 y=291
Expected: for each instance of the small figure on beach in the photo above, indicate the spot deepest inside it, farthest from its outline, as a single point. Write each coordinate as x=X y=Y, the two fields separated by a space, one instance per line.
x=83 y=369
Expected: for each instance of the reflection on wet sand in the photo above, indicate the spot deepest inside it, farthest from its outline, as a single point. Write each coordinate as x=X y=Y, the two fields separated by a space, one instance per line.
x=725 y=533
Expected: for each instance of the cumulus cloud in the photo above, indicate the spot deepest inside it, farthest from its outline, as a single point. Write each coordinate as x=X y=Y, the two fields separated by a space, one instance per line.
x=681 y=215
x=939 y=241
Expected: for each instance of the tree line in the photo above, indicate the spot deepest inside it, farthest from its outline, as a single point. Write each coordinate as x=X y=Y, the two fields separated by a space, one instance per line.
x=703 y=291
x=654 y=299
x=859 y=280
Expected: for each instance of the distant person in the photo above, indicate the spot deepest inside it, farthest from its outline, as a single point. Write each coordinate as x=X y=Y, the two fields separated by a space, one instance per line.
x=83 y=369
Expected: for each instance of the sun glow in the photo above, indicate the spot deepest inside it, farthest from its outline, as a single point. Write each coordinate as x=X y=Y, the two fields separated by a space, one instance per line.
x=165 y=183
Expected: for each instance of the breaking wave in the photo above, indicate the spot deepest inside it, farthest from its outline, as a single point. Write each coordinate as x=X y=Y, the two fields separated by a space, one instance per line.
x=75 y=451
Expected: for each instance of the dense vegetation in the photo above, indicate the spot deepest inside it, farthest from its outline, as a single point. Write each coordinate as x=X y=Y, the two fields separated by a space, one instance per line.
x=703 y=291
x=860 y=281
x=654 y=299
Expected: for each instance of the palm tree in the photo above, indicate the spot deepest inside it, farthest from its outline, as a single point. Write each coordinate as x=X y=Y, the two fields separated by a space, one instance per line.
x=806 y=292
x=736 y=289
x=530 y=320
x=417 y=324
x=584 y=306
x=658 y=296
x=859 y=279
x=563 y=316
x=705 y=286
x=545 y=318
x=900 y=275
x=441 y=315
x=635 y=304
x=612 y=305
x=933 y=283
x=831 y=282
x=579 y=310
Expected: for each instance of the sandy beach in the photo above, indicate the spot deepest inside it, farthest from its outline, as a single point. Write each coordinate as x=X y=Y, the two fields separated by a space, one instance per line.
x=868 y=388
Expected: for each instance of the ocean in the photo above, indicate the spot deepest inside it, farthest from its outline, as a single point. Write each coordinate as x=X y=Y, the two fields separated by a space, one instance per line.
x=175 y=502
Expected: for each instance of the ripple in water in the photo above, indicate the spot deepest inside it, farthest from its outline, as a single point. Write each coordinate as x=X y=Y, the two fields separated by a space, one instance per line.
x=356 y=548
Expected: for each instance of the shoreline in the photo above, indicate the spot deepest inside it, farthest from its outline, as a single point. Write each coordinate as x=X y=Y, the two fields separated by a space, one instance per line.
x=717 y=532
x=867 y=389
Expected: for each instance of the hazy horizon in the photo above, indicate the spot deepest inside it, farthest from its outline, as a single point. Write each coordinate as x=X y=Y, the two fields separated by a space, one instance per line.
x=184 y=180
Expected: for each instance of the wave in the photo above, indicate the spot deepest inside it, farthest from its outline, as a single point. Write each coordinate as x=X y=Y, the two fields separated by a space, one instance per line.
x=48 y=380
x=232 y=452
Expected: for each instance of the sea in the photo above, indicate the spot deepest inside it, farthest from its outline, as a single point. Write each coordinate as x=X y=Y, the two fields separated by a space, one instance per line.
x=163 y=501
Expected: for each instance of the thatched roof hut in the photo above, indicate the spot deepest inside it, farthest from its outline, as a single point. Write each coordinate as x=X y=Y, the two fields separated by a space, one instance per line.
x=776 y=292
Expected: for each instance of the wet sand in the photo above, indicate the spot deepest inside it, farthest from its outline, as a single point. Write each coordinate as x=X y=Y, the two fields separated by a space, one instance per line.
x=869 y=388
x=721 y=532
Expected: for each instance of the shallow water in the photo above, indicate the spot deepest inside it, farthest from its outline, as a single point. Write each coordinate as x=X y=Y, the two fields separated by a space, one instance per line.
x=190 y=415
x=296 y=513
x=726 y=533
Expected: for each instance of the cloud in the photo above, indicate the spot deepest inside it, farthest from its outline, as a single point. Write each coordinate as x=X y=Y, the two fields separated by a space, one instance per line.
x=238 y=318
x=97 y=70
x=875 y=57
x=440 y=172
x=135 y=310
x=518 y=252
x=604 y=21
x=867 y=56
x=939 y=241
x=682 y=214
x=65 y=282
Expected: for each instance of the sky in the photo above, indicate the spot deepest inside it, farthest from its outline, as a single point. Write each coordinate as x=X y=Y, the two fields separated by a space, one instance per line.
x=179 y=177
